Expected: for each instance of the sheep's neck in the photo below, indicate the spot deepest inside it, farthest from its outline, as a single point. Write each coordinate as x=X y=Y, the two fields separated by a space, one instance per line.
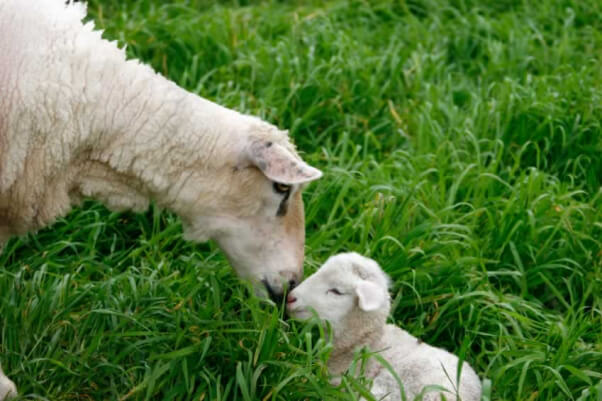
x=349 y=340
x=156 y=141
x=138 y=138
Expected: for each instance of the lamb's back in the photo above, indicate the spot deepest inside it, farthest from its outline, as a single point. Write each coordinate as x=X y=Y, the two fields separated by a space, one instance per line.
x=419 y=364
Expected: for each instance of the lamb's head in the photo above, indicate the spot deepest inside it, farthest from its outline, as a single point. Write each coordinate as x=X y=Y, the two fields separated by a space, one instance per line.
x=347 y=288
x=257 y=215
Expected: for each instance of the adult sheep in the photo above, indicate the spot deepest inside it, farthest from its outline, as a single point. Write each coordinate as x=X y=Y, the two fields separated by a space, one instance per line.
x=78 y=120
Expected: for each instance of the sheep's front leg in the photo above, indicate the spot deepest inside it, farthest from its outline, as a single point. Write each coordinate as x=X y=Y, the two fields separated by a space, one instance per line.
x=8 y=389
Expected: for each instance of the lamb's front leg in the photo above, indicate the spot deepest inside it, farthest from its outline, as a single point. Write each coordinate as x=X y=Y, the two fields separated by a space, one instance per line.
x=8 y=389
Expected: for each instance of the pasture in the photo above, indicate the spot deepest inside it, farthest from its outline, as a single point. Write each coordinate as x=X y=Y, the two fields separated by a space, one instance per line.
x=461 y=143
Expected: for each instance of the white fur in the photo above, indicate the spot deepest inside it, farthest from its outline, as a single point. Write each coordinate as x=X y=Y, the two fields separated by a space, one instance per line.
x=358 y=319
x=78 y=120
x=7 y=387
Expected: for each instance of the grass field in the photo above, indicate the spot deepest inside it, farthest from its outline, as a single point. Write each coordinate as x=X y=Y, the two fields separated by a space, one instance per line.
x=461 y=143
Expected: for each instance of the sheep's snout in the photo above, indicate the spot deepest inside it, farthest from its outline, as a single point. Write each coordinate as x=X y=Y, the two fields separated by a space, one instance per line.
x=274 y=295
x=291 y=279
x=277 y=289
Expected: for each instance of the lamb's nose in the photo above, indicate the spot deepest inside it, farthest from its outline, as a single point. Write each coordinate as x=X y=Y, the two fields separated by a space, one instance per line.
x=292 y=283
x=290 y=298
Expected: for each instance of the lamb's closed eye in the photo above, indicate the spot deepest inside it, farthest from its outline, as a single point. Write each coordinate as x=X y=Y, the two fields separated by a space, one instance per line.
x=335 y=291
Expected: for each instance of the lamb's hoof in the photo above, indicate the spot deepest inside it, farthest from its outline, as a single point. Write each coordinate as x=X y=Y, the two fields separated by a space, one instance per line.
x=8 y=390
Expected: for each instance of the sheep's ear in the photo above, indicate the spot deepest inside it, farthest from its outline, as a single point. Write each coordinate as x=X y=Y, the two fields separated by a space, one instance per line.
x=280 y=165
x=371 y=296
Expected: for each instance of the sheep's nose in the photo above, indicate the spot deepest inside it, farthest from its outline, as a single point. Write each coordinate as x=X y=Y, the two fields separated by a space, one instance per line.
x=287 y=281
x=290 y=298
x=290 y=279
x=276 y=296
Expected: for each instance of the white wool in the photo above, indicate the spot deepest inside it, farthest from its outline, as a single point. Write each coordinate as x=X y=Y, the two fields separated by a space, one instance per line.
x=351 y=293
x=7 y=387
x=78 y=120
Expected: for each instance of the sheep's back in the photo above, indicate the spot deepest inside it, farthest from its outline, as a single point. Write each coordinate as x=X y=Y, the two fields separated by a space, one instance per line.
x=56 y=77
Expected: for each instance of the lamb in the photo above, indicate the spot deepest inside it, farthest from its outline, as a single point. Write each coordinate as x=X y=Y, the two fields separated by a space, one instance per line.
x=350 y=291
x=78 y=120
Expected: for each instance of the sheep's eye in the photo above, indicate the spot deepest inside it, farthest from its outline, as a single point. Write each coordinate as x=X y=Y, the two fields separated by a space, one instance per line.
x=281 y=188
x=335 y=291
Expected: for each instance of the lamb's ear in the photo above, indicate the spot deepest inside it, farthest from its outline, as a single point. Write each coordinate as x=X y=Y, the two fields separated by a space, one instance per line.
x=371 y=296
x=280 y=165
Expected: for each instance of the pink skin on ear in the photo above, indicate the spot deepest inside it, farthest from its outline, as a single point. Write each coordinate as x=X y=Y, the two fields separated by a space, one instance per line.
x=370 y=295
x=280 y=165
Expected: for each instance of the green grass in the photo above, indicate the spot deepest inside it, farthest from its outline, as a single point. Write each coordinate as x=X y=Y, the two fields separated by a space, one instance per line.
x=461 y=146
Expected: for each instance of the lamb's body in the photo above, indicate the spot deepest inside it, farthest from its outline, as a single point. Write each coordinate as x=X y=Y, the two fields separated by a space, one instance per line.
x=350 y=291
x=418 y=365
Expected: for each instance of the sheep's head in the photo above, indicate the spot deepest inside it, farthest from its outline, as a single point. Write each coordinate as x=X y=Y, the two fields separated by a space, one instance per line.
x=347 y=287
x=257 y=217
